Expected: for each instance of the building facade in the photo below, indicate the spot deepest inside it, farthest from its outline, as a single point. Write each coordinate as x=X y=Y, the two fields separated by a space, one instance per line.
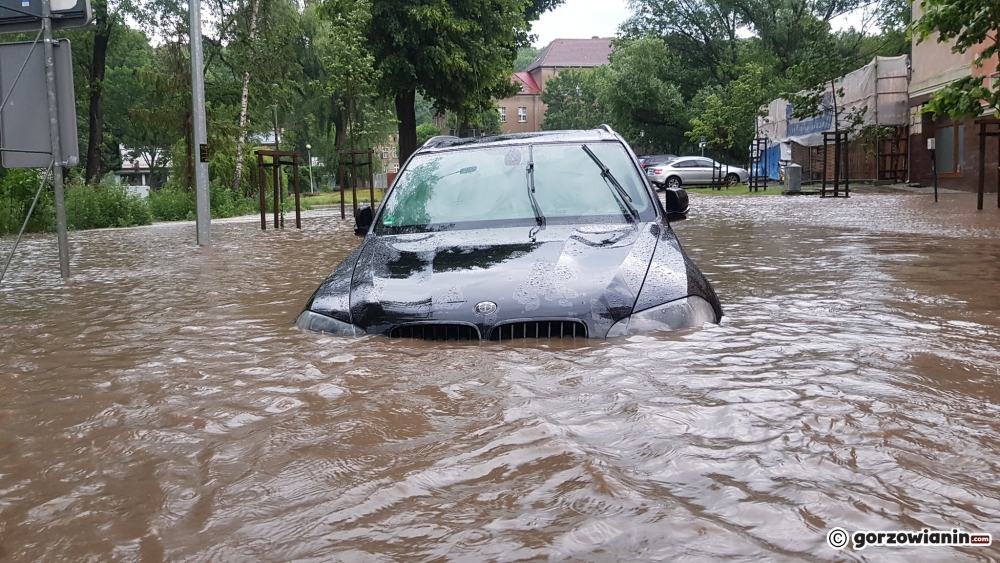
x=524 y=112
x=388 y=153
x=957 y=142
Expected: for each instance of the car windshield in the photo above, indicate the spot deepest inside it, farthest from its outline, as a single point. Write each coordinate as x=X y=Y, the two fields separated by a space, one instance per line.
x=475 y=188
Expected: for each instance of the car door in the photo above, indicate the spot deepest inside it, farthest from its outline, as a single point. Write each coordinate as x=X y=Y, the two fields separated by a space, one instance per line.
x=683 y=168
x=702 y=169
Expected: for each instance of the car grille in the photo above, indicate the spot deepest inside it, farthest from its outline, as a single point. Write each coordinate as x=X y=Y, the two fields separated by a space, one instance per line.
x=539 y=329
x=435 y=331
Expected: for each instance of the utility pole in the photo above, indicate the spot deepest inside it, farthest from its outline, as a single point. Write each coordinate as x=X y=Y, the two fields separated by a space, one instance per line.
x=57 y=163
x=203 y=209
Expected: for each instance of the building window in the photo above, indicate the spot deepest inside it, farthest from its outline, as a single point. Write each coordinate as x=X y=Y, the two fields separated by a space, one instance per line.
x=395 y=168
x=385 y=153
x=950 y=148
x=503 y=115
x=395 y=151
x=522 y=115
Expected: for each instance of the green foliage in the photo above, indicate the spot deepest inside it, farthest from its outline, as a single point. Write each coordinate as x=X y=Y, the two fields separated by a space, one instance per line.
x=172 y=203
x=17 y=190
x=459 y=53
x=643 y=101
x=728 y=116
x=103 y=205
x=722 y=60
x=425 y=131
x=525 y=56
x=423 y=109
x=572 y=100
x=964 y=98
x=967 y=23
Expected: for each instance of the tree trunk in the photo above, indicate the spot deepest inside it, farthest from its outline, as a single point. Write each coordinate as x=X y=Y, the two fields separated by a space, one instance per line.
x=96 y=137
x=339 y=134
x=243 y=105
x=407 y=117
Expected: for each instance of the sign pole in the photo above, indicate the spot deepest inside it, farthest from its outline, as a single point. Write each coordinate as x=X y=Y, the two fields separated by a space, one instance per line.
x=203 y=210
x=57 y=163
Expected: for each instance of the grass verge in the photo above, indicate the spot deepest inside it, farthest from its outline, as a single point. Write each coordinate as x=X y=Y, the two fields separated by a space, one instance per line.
x=740 y=189
x=333 y=198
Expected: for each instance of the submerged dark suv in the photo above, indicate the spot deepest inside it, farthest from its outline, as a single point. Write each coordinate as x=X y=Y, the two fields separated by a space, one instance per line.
x=539 y=235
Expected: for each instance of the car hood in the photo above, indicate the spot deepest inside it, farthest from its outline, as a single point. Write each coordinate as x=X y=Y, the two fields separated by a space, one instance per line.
x=592 y=273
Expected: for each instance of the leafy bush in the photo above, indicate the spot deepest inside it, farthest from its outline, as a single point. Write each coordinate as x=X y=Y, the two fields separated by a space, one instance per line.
x=172 y=203
x=105 y=205
x=17 y=190
x=227 y=203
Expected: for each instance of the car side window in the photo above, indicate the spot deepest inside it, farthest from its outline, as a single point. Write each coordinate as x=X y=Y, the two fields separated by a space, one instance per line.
x=703 y=163
x=684 y=164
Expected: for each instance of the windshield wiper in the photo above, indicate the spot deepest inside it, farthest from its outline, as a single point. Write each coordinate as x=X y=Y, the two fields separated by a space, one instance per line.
x=606 y=173
x=539 y=217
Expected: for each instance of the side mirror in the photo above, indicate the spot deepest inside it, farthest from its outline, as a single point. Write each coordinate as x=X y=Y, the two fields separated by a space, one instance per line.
x=676 y=203
x=363 y=220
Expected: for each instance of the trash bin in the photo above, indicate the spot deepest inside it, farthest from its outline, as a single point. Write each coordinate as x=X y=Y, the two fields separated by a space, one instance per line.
x=793 y=179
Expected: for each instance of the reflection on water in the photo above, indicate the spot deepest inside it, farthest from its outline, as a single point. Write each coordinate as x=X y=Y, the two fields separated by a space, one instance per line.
x=160 y=406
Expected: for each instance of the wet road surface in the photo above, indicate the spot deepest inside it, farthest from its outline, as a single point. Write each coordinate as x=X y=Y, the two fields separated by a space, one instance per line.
x=160 y=406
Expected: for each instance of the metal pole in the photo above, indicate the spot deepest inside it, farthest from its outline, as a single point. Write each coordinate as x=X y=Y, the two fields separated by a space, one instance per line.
x=982 y=166
x=262 y=183
x=277 y=141
x=934 y=169
x=277 y=186
x=298 y=209
x=310 y=157
x=203 y=213
x=57 y=162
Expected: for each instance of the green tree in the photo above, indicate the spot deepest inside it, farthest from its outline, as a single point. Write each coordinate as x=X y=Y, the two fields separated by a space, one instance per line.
x=642 y=100
x=572 y=100
x=525 y=55
x=425 y=131
x=967 y=23
x=423 y=110
x=728 y=116
x=458 y=53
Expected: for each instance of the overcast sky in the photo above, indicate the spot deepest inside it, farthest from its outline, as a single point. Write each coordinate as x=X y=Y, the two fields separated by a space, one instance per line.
x=582 y=19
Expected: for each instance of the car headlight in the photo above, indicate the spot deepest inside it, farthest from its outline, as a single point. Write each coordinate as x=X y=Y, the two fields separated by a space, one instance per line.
x=316 y=322
x=689 y=312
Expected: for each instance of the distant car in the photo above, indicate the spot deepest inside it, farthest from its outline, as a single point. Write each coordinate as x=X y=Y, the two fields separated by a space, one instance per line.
x=695 y=171
x=536 y=235
x=651 y=159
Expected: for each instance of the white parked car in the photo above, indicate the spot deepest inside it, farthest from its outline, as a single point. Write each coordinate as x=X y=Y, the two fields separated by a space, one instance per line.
x=694 y=171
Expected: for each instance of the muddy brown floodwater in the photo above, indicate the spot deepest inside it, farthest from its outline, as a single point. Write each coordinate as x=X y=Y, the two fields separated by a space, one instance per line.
x=161 y=407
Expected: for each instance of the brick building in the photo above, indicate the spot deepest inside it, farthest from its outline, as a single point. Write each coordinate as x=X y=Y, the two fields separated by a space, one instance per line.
x=524 y=112
x=934 y=67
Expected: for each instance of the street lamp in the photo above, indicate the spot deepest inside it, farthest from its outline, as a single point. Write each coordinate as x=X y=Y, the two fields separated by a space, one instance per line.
x=309 y=155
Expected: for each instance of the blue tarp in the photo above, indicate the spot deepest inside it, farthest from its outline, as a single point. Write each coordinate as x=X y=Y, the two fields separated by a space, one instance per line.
x=770 y=165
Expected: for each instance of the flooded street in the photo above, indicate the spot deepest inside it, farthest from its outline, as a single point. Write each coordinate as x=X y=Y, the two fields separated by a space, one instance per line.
x=161 y=406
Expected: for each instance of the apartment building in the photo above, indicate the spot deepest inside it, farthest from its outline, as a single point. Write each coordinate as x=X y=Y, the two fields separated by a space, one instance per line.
x=524 y=112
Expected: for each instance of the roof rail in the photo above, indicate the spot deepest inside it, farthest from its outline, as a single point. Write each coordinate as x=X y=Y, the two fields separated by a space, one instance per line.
x=607 y=128
x=437 y=139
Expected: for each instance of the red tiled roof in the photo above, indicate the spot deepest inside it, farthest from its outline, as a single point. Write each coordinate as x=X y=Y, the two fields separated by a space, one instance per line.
x=528 y=84
x=581 y=53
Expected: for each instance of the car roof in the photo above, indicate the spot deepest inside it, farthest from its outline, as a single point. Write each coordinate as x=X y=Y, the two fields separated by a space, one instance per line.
x=583 y=136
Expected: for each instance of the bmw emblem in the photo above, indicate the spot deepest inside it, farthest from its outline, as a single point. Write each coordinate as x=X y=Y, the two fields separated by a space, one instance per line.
x=486 y=308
